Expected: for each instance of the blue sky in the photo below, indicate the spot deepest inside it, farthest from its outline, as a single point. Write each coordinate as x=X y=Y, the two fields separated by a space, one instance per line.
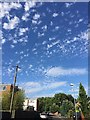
x=49 y=41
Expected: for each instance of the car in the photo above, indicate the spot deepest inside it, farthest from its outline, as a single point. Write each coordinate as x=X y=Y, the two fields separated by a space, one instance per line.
x=44 y=115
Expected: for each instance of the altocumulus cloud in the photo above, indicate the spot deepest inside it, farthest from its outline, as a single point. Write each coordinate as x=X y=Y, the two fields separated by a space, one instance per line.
x=59 y=71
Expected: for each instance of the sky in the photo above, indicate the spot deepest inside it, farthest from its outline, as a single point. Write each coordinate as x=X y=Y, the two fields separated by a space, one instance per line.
x=49 y=42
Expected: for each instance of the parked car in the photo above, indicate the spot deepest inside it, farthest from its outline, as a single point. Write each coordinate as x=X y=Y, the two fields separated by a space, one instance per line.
x=44 y=115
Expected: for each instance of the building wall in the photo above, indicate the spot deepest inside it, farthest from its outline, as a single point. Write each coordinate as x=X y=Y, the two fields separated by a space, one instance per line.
x=29 y=102
x=4 y=88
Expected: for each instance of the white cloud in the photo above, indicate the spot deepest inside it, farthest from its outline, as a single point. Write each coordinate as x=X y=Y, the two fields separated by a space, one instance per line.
x=23 y=30
x=12 y=46
x=54 y=85
x=33 y=90
x=57 y=28
x=6 y=7
x=53 y=38
x=34 y=21
x=15 y=5
x=53 y=44
x=32 y=84
x=29 y=5
x=30 y=66
x=40 y=34
x=80 y=20
x=25 y=16
x=44 y=28
x=58 y=71
x=84 y=35
x=3 y=41
x=14 y=41
x=12 y=23
x=62 y=13
x=9 y=71
x=55 y=14
x=44 y=42
x=68 y=4
x=34 y=87
x=36 y=16
x=79 y=46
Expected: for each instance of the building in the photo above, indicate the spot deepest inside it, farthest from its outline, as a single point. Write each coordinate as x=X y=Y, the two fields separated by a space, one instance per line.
x=4 y=88
x=30 y=103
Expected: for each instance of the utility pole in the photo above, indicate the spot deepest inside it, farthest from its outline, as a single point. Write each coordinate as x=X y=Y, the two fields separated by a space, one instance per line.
x=13 y=89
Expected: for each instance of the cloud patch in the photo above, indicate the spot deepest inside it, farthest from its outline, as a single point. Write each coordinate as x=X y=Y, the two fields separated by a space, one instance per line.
x=59 y=71
x=12 y=23
x=29 y=5
x=34 y=87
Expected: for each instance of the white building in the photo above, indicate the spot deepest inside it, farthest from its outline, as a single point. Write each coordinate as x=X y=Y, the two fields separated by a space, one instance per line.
x=29 y=102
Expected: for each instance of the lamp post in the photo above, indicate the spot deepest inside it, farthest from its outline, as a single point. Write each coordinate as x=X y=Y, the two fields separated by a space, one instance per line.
x=74 y=99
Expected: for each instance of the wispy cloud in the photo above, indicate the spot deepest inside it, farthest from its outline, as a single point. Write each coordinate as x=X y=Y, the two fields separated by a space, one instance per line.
x=58 y=71
x=34 y=87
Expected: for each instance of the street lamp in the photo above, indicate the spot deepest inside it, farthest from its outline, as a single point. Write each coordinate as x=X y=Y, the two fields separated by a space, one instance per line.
x=74 y=98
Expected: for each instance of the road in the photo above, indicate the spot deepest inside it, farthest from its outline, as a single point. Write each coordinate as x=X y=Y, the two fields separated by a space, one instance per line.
x=58 y=118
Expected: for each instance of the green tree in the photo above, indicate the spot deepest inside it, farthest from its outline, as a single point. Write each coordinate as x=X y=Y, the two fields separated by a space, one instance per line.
x=89 y=105
x=41 y=106
x=45 y=103
x=66 y=107
x=54 y=104
x=83 y=99
x=17 y=103
x=70 y=113
x=70 y=98
x=18 y=100
x=6 y=101
x=58 y=98
x=55 y=108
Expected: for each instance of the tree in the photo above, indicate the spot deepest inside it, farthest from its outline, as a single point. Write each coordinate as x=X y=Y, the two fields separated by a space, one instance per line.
x=70 y=98
x=6 y=100
x=54 y=108
x=83 y=99
x=17 y=103
x=58 y=98
x=70 y=113
x=89 y=109
x=18 y=100
x=41 y=106
x=66 y=107
x=56 y=103
x=45 y=103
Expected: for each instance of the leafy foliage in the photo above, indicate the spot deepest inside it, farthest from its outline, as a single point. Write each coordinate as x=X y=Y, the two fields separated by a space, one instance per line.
x=83 y=99
x=66 y=107
x=6 y=100
x=17 y=103
x=18 y=100
x=59 y=103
